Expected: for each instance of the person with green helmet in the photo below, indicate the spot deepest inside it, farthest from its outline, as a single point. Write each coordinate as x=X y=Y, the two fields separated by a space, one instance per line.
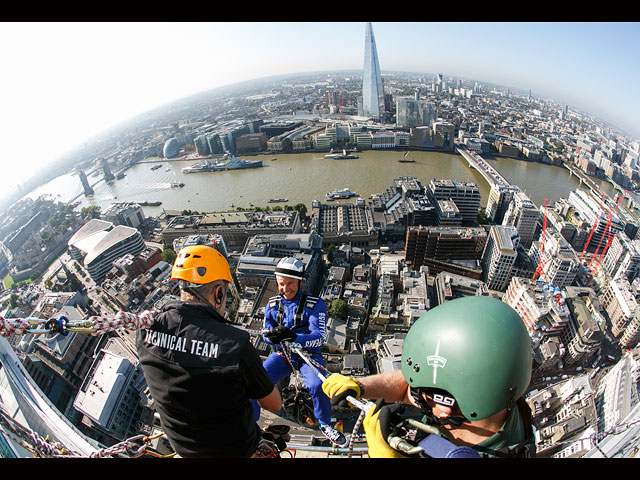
x=466 y=365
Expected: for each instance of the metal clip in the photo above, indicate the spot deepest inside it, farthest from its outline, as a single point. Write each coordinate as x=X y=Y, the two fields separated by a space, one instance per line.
x=57 y=325
x=37 y=325
x=402 y=445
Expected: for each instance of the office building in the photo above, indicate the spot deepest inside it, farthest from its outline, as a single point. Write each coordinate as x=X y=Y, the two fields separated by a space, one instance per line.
x=522 y=214
x=500 y=256
x=541 y=306
x=129 y=214
x=584 y=336
x=622 y=259
x=443 y=243
x=500 y=197
x=559 y=263
x=620 y=304
x=465 y=195
x=411 y=112
x=372 y=90
x=350 y=223
x=450 y=285
x=590 y=209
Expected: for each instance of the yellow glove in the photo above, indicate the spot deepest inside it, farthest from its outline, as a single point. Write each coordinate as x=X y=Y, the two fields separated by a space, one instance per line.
x=376 y=429
x=338 y=387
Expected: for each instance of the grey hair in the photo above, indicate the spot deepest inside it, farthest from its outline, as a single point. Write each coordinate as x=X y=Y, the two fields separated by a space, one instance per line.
x=206 y=290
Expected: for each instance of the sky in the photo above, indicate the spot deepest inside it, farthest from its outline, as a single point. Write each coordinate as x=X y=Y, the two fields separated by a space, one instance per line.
x=63 y=83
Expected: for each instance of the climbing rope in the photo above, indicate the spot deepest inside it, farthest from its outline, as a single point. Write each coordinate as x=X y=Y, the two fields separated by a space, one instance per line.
x=43 y=447
x=94 y=325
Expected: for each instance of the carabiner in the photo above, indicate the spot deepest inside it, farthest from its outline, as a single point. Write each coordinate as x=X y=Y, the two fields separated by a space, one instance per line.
x=57 y=325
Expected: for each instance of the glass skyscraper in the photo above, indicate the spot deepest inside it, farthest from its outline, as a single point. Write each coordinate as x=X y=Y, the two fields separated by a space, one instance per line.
x=372 y=94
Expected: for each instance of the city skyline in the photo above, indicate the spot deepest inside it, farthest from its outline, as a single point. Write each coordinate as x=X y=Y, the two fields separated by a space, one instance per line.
x=68 y=82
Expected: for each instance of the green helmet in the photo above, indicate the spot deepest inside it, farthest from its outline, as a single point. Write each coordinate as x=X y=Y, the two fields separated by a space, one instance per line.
x=475 y=348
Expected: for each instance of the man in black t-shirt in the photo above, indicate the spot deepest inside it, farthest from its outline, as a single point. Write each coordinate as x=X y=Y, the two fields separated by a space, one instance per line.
x=203 y=373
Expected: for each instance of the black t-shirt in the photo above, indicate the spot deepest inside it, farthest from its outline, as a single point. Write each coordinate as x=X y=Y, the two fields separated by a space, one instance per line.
x=201 y=373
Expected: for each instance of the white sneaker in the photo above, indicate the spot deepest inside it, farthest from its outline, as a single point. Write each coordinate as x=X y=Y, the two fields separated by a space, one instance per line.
x=336 y=436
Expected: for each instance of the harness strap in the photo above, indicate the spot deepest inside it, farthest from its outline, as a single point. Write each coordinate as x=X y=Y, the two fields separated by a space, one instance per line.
x=299 y=311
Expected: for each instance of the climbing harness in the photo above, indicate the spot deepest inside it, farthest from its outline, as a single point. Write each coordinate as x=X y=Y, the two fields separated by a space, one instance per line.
x=299 y=310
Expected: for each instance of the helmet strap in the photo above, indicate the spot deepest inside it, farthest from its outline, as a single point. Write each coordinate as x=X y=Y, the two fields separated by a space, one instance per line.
x=426 y=409
x=512 y=399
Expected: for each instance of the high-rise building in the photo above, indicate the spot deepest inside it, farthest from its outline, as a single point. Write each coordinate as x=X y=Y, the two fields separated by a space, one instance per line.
x=443 y=243
x=499 y=256
x=587 y=207
x=372 y=91
x=522 y=214
x=623 y=257
x=465 y=195
x=413 y=112
x=560 y=264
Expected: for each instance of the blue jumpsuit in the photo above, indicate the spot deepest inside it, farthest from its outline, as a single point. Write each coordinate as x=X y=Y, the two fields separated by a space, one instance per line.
x=312 y=335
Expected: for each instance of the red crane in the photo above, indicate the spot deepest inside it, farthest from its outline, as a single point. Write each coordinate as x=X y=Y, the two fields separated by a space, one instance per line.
x=540 y=268
x=593 y=228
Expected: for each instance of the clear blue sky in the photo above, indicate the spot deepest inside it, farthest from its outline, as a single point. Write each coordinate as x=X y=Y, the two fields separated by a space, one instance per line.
x=62 y=83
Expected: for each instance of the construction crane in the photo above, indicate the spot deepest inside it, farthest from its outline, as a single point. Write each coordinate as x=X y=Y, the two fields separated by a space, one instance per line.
x=341 y=104
x=592 y=228
x=540 y=269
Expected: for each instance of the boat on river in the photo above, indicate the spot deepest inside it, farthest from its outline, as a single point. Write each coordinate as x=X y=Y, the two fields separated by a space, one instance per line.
x=337 y=156
x=232 y=163
x=340 y=194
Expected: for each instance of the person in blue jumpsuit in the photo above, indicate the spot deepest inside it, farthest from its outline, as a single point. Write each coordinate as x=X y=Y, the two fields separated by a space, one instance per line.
x=295 y=317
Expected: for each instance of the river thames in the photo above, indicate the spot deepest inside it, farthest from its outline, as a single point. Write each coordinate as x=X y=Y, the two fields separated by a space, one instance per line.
x=301 y=178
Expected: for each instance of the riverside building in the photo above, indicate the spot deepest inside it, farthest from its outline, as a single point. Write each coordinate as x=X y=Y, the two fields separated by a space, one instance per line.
x=344 y=223
x=465 y=195
x=234 y=227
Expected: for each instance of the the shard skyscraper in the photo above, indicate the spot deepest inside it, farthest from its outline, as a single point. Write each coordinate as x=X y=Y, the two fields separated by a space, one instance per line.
x=372 y=94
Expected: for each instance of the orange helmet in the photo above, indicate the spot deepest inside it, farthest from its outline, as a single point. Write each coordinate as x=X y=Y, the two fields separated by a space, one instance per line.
x=200 y=264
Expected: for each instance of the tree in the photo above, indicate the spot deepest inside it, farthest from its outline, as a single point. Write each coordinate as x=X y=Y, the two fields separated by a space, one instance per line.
x=338 y=309
x=169 y=256
x=90 y=212
x=302 y=209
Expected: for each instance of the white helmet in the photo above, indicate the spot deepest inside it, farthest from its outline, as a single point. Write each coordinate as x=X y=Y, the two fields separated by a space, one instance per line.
x=290 y=267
